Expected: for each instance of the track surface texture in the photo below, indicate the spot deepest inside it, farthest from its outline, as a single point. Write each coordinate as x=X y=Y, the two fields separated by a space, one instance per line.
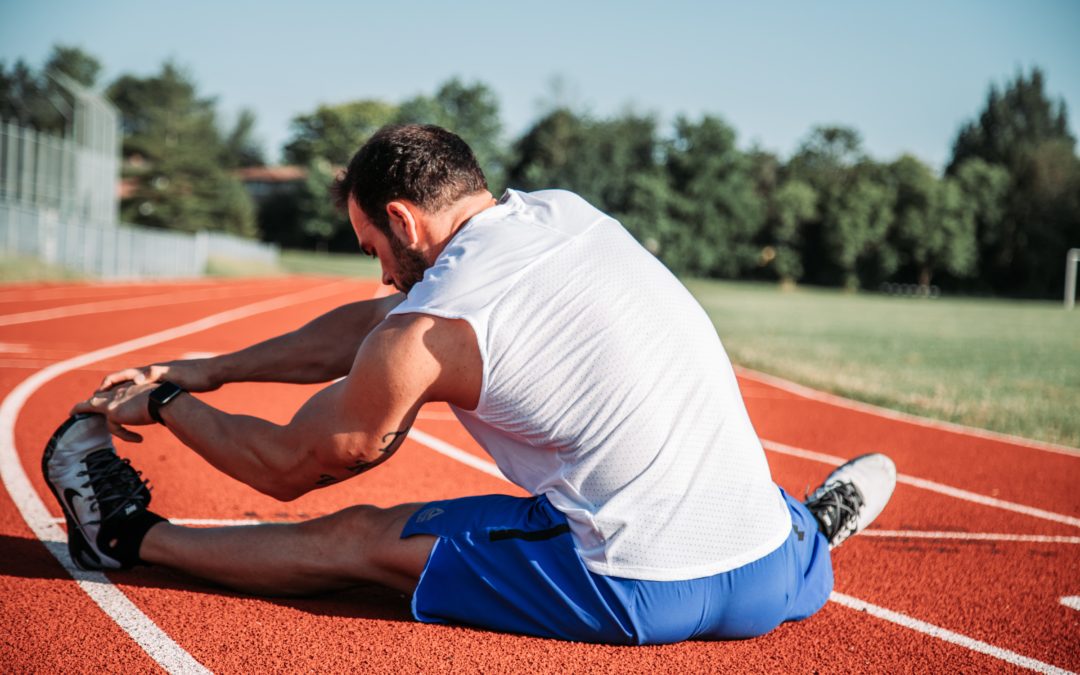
x=974 y=565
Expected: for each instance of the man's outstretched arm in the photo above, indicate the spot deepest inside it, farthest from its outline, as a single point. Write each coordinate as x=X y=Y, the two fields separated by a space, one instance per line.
x=346 y=429
x=320 y=351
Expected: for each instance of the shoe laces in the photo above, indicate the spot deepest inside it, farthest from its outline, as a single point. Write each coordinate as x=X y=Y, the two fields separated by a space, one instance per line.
x=115 y=485
x=836 y=507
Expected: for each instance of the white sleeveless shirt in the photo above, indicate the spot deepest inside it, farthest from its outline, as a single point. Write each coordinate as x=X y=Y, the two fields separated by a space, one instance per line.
x=605 y=388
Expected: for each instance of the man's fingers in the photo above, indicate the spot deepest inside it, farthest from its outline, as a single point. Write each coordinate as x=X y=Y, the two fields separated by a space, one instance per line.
x=135 y=375
x=125 y=434
x=84 y=407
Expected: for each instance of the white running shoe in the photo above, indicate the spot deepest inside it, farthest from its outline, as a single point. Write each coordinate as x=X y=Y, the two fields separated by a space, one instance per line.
x=102 y=497
x=852 y=496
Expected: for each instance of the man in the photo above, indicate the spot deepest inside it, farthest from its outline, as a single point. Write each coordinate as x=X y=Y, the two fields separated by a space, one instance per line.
x=576 y=360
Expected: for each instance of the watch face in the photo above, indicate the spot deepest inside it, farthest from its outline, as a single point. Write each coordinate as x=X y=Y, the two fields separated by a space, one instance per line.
x=160 y=396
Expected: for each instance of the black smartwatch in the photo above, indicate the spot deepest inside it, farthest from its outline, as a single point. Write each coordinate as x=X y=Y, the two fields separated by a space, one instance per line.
x=160 y=397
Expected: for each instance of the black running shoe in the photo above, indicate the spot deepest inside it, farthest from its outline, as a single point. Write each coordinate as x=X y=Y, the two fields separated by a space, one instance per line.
x=103 y=498
x=852 y=496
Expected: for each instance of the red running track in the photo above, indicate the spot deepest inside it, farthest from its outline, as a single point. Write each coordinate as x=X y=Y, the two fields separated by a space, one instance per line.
x=970 y=568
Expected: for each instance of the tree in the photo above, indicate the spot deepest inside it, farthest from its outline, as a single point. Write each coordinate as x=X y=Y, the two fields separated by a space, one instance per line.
x=75 y=63
x=790 y=207
x=175 y=152
x=612 y=163
x=470 y=111
x=935 y=226
x=714 y=200
x=336 y=132
x=856 y=221
x=33 y=99
x=239 y=147
x=848 y=237
x=1026 y=133
x=319 y=219
x=1014 y=121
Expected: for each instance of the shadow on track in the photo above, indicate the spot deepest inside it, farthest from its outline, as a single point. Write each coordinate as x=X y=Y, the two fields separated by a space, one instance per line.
x=30 y=559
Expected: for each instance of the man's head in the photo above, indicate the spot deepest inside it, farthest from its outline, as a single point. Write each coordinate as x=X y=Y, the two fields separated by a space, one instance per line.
x=399 y=179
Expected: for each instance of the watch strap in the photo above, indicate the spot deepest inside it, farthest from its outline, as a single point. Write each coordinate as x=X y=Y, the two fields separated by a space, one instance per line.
x=160 y=397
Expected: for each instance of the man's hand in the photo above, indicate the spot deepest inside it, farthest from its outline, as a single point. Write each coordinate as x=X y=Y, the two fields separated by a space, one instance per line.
x=189 y=375
x=123 y=404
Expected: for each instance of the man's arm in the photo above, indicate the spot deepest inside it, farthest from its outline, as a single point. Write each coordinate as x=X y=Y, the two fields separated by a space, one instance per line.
x=346 y=429
x=320 y=351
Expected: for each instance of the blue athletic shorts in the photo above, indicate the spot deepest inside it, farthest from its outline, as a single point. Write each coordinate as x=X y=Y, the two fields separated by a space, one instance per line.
x=509 y=564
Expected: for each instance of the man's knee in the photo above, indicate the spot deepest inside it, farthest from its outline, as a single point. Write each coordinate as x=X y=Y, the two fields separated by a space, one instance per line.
x=364 y=543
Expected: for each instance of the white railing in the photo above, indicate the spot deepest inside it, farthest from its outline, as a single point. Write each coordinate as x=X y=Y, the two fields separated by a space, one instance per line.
x=119 y=251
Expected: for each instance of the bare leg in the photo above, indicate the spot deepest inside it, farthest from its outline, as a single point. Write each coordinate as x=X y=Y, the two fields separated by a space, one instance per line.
x=360 y=543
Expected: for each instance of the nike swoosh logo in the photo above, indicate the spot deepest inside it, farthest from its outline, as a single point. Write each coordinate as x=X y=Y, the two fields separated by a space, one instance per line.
x=69 y=497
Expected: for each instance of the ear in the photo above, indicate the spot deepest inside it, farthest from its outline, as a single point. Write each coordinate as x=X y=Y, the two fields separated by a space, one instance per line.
x=403 y=222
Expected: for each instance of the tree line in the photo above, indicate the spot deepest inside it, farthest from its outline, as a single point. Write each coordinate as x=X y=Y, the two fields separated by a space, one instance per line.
x=999 y=219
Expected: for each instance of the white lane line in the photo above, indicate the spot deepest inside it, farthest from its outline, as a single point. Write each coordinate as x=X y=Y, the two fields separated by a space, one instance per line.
x=157 y=644
x=126 y=303
x=1071 y=601
x=971 y=536
x=919 y=420
x=443 y=448
x=946 y=635
x=97 y=289
x=930 y=485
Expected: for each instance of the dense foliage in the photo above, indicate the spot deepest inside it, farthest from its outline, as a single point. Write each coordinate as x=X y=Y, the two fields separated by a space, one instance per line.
x=999 y=220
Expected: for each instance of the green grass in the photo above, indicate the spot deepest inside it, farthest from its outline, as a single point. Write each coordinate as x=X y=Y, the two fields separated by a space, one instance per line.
x=341 y=264
x=1007 y=366
x=19 y=268
x=231 y=267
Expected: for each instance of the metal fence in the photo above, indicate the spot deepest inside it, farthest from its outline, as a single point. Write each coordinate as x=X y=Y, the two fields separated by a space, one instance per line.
x=119 y=251
x=58 y=202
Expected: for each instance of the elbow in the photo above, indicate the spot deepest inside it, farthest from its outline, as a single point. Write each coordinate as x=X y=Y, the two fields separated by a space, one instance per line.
x=280 y=486
x=282 y=492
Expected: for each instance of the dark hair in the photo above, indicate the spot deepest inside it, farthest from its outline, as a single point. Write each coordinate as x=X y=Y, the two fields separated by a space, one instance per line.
x=425 y=164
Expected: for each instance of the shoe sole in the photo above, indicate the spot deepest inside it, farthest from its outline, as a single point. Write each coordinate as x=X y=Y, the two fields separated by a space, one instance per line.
x=77 y=544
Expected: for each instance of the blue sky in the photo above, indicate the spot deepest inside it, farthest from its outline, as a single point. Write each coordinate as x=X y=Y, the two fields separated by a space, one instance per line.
x=905 y=74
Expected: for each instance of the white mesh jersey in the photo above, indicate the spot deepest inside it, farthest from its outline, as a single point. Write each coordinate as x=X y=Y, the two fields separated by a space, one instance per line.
x=606 y=388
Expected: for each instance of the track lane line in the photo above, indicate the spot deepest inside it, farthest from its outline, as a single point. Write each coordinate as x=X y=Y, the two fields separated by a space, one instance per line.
x=896 y=415
x=932 y=486
x=972 y=536
x=119 y=304
x=147 y=634
x=947 y=635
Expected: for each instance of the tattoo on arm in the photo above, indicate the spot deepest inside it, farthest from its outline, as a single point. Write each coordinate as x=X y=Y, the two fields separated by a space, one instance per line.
x=390 y=443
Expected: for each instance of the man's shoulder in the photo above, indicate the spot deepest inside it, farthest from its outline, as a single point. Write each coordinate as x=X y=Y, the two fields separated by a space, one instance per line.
x=421 y=341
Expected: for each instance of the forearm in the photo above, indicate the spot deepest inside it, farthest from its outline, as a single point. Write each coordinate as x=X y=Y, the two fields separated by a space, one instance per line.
x=320 y=351
x=246 y=448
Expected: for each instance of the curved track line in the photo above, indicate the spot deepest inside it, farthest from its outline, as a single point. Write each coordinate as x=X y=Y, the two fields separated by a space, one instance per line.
x=157 y=644
x=947 y=635
x=932 y=486
x=13 y=293
x=919 y=420
x=139 y=302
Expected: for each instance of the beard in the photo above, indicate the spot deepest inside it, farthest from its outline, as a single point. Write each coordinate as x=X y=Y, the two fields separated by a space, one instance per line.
x=411 y=265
